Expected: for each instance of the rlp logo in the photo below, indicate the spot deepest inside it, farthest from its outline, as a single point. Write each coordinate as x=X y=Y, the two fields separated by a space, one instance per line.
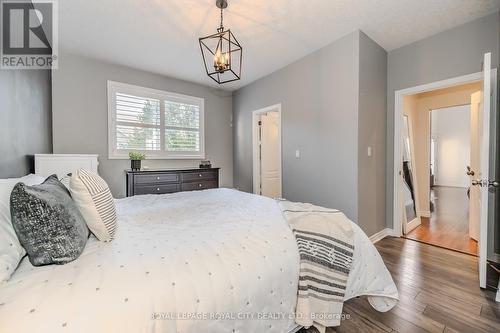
x=27 y=28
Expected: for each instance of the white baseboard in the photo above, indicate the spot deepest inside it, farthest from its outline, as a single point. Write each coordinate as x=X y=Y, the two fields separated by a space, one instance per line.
x=424 y=213
x=413 y=224
x=381 y=235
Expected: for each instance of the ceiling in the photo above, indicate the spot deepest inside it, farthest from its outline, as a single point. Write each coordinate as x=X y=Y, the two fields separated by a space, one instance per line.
x=161 y=36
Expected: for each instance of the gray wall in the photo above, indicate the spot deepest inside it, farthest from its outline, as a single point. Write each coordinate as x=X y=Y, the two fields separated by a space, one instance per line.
x=451 y=53
x=319 y=114
x=25 y=119
x=80 y=116
x=372 y=133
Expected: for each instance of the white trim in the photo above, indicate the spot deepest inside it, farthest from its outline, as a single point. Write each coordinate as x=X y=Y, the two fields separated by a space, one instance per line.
x=162 y=154
x=484 y=147
x=381 y=235
x=424 y=213
x=413 y=224
x=455 y=81
x=397 y=176
x=398 y=120
x=255 y=161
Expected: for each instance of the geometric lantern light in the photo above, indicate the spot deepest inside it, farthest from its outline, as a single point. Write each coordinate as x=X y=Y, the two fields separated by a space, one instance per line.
x=221 y=52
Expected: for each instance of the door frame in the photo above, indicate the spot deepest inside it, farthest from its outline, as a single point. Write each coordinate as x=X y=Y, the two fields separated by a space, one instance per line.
x=255 y=141
x=397 y=139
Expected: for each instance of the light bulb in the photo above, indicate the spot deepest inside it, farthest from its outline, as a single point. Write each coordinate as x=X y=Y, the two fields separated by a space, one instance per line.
x=216 y=56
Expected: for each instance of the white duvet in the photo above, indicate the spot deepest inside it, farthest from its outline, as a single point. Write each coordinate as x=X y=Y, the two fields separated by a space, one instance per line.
x=207 y=261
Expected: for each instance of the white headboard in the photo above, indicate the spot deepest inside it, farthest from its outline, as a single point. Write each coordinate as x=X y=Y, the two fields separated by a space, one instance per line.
x=62 y=164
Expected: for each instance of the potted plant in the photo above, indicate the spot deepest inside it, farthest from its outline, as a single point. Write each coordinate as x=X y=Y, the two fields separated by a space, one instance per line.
x=135 y=160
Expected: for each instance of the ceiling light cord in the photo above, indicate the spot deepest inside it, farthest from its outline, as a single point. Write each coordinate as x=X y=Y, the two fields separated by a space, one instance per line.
x=221 y=19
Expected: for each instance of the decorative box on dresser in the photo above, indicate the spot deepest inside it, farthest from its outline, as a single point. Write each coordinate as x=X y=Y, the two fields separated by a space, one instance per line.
x=163 y=181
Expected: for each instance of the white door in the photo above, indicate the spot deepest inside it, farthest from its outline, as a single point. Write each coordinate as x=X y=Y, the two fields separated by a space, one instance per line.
x=475 y=164
x=270 y=161
x=480 y=179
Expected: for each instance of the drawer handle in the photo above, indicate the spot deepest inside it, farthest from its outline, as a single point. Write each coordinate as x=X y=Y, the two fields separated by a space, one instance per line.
x=200 y=185
x=158 y=178
x=158 y=189
x=199 y=175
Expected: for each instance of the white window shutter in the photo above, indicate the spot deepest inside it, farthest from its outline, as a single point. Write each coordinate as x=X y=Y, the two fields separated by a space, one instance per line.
x=163 y=125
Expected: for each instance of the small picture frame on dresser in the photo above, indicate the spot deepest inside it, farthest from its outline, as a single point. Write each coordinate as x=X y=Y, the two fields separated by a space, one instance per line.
x=205 y=164
x=161 y=181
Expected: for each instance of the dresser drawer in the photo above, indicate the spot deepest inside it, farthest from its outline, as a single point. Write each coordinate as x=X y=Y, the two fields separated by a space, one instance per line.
x=199 y=175
x=156 y=178
x=202 y=185
x=157 y=189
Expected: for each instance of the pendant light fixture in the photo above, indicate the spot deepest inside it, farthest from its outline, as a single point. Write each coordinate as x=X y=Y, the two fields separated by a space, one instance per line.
x=221 y=52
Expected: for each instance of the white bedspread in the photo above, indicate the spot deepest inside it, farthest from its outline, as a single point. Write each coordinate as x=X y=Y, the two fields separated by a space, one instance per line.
x=202 y=254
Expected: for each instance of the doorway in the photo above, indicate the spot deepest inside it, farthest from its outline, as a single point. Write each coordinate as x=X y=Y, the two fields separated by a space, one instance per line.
x=449 y=223
x=436 y=162
x=483 y=178
x=267 y=169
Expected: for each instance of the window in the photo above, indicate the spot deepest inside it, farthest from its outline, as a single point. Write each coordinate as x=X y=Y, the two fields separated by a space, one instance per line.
x=161 y=124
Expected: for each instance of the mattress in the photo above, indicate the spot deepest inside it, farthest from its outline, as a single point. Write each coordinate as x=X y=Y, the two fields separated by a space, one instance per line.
x=206 y=261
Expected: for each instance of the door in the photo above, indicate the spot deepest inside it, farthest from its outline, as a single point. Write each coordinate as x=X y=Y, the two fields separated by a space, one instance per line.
x=480 y=180
x=270 y=161
x=475 y=164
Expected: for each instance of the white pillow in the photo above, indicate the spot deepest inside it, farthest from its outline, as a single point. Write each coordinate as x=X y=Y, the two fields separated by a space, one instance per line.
x=11 y=251
x=94 y=200
x=33 y=179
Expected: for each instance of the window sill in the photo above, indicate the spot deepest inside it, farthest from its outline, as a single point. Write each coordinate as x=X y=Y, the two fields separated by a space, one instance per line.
x=179 y=157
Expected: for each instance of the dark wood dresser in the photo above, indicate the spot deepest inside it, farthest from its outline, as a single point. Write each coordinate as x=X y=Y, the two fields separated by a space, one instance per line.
x=170 y=181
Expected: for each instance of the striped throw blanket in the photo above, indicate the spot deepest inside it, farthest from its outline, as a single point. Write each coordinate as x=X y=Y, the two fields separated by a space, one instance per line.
x=325 y=242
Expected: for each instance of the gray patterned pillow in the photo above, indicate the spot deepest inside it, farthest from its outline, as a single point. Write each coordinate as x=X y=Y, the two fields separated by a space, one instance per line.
x=47 y=222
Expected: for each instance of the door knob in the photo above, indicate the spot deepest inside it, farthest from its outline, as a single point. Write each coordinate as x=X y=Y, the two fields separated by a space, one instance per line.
x=493 y=183
x=476 y=182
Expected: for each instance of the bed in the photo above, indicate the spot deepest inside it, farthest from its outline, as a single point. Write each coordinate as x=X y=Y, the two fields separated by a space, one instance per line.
x=216 y=260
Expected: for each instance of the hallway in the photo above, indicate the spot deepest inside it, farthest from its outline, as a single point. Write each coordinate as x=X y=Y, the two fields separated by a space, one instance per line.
x=448 y=225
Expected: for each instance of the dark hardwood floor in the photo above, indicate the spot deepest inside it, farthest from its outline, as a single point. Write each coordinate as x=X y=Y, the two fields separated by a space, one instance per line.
x=439 y=292
x=449 y=223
